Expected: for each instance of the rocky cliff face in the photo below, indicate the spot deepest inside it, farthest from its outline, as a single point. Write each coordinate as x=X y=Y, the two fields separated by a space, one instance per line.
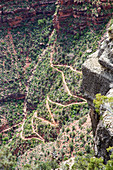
x=16 y=12
x=85 y=12
x=98 y=78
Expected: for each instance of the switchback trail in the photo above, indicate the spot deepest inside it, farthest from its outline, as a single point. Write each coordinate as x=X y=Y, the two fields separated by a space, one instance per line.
x=44 y=120
x=63 y=77
x=35 y=114
x=5 y=130
x=47 y=105
x=71 y=68
x=25 y=102
x=65 y=105
x=53 y=123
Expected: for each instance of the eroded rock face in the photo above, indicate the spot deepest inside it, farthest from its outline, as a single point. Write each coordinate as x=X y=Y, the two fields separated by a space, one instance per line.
x=103 y=140
x=84 y=12
x=107 y=113
x=106 y=53
x=15 y=13
x=98 y=78
x=104 y=130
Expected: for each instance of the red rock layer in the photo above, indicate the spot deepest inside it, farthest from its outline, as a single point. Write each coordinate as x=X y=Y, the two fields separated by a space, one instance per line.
x=86 y=11
x=13 y=14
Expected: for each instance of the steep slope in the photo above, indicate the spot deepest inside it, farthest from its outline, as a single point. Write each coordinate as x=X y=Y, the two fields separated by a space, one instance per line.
x=40 y=72
x=98 y=78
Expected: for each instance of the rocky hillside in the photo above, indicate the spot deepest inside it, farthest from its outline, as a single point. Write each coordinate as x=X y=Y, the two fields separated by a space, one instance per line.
x=98 y=78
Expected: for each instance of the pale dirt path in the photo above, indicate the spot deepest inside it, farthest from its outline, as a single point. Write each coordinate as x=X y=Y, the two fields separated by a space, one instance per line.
x=63 y=78
x=9 y=36
x=7 y=43
x=66 y=87
x=46 y=121
x=51 y=36
x=5 y=130
x=48 y=100
x=71 y=68
x=15 y=53
x=47 y=105
x=13 y=47
x=25 y=103
x=2 y=116
x=22 y=127
x=25 y=114
x=43 y=53
x=11 y=40
x=42 y=119
x=63 y=105
x=35 y=116
x=29 y=138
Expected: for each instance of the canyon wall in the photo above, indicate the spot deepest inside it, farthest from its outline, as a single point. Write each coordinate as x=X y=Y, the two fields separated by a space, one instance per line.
x=85 y=13
x=98 y=78
x=14 y=13
x=97 y=70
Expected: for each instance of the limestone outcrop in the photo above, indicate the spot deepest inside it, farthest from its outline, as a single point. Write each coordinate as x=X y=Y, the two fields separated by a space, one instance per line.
x=98 y=78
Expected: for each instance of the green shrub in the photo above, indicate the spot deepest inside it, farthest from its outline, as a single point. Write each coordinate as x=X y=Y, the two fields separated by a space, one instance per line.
x=82 y=121
x=73 y=127
x=5 y=139
x=101 y=99
x=95 y=163
x=65 y=158
x=67 y=130
x=81 y=135
x=89 y=130
x=87 y=148
x=0 y=135
x=71 y=147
